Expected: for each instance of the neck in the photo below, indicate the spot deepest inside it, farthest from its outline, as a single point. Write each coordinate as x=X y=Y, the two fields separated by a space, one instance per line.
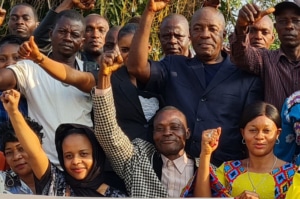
x=29 y=181
x=292 y=53
x=174 y=157
x=208 y=60
x=262 y=164
x=66 y=60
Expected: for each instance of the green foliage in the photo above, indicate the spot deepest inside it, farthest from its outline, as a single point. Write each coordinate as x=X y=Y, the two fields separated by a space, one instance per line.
x=118 y=12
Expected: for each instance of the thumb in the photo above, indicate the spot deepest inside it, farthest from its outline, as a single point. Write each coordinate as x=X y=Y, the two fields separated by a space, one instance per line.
x=31 y=40
x=267 y=11
x=33 y=45
x=119 y=59
x=219 y=130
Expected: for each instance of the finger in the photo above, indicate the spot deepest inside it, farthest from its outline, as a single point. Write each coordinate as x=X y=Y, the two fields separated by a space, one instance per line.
x=267 y=11
x=27 y=47
x=119 y=59
x=244 y=14
x=32 y=42
x=219 y=130
x=254 y=9
x=78 y=4
x=24 y=50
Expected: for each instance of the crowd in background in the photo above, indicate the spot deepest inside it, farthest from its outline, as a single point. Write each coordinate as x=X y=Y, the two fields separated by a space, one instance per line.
x=85 y=112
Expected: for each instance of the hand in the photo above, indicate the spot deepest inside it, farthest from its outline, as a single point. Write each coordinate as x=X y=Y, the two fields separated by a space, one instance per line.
x=251 y=13
x=110 y=62
x=10 y=100
x=29 y=50
x=157 y=5
x=247 y=195
x=2 y=15
x=84 y=4
x=212 y=3
x=210 y=140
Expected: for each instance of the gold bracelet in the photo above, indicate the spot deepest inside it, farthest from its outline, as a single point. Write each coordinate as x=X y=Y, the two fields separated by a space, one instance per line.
x=37 y=61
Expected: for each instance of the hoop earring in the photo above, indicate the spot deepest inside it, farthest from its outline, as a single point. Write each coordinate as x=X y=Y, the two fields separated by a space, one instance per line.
x=277 y=141
x=243 y=141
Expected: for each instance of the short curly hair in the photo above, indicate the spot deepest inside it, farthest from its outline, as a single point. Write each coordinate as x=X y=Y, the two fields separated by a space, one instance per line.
x=7 y=132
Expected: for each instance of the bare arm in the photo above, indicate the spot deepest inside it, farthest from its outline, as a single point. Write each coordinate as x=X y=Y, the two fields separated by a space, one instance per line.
x=38 y=159
x=209 y=143
x=244 y=56
x=7 y=79
x=137 y=63
x=84 y=81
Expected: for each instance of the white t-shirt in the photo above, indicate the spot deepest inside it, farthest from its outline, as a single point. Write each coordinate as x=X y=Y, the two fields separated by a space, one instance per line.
x=51 y=103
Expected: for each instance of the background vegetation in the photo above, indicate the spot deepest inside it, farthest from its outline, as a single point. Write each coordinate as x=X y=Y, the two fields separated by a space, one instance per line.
x=118 y=12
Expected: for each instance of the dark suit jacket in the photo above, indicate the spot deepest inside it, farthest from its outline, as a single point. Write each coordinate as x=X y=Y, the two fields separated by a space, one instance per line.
x=129 y=111
x=181 y=82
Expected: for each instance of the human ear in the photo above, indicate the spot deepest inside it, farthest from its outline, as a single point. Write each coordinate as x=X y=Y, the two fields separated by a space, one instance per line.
x=279 y=130
x=188 y=133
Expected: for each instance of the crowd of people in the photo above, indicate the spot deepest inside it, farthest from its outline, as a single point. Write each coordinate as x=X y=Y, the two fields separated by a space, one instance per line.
x=84 y=111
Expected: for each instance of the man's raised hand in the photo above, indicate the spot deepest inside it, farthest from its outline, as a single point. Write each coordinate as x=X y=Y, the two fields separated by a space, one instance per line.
x=84 y=4
x=157 y=5
x=29 y=50
x=251 y=13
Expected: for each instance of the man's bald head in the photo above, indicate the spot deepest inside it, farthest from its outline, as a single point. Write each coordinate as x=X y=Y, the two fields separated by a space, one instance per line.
x=174 y=35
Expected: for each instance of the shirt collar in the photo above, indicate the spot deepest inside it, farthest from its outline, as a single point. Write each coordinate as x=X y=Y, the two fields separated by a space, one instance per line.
x=179 y=163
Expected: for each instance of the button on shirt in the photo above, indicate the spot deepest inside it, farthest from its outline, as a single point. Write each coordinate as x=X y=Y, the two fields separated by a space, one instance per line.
x=176 y=174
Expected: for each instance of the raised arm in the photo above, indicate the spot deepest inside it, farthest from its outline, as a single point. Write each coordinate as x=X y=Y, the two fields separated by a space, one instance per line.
x=209 y=143
x=137 y=62
x=84 y=81
x=38 y=159
x=114 y=142
x=242 y=54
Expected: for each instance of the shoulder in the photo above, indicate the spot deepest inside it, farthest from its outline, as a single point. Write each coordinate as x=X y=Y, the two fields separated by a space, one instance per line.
x=24 y=66
x=173 y=61
x=143 y=146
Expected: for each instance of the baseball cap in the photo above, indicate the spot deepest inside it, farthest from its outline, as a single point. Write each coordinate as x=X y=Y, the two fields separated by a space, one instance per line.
x=287 y=4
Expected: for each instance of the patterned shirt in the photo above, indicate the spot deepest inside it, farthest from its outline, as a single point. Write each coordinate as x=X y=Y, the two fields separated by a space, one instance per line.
x=281 y=76
x=231 y=179
x=131 y=161
x=11 y=183
x=288 y=147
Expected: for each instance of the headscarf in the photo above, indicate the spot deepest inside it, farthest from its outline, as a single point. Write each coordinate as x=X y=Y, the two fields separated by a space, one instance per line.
x=89 y=185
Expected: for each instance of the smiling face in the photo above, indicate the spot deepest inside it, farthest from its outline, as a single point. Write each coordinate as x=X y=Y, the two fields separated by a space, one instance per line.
x=260 y=135
x=207 y=33
x=17 y=158
x=22 y=21
x=77 y=155
x=170 y=133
